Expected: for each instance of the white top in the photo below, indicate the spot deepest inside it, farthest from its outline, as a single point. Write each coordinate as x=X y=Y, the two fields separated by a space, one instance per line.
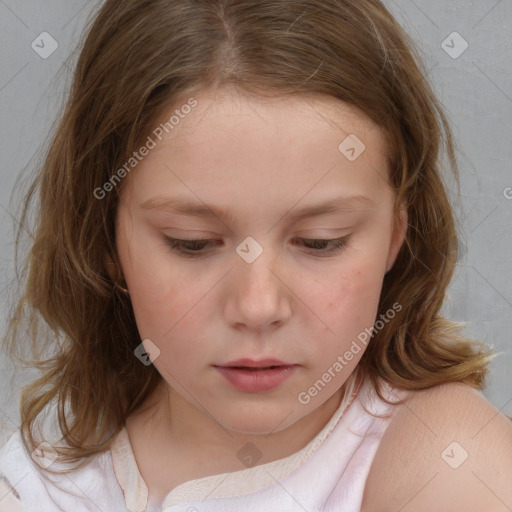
x=326 y=475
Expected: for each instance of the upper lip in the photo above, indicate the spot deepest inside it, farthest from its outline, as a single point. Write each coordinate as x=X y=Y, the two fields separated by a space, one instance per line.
x=251 y=363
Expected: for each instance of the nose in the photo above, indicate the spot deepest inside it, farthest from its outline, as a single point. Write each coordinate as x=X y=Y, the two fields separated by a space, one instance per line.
x=259 y=295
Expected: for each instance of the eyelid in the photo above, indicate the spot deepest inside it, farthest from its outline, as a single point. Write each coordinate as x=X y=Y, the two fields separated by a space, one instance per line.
x=176 y=245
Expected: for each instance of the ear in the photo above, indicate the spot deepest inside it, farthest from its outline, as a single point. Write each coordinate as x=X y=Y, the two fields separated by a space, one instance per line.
x=398 y=238
x=112 y=268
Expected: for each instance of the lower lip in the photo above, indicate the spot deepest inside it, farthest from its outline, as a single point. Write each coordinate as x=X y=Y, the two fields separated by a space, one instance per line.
x=256 y=381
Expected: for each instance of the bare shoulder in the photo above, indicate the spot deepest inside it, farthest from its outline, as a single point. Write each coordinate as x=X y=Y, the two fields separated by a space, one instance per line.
x=446 y=448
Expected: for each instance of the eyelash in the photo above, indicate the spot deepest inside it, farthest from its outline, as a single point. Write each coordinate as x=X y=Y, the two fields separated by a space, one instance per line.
x=180 y=246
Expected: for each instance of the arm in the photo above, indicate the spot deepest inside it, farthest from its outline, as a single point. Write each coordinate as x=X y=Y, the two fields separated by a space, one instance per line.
x=448 y=450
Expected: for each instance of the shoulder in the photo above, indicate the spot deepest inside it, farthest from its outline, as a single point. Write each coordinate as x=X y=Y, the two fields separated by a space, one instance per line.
x=446 y=448
x=30 y=488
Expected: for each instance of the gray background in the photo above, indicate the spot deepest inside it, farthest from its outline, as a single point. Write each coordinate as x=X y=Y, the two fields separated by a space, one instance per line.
x=474 y=87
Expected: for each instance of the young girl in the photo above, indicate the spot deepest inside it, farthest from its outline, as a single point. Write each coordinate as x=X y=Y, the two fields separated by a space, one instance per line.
x=242 y=247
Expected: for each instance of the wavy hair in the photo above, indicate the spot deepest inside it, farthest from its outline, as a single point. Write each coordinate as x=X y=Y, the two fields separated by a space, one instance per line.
x=69 y=304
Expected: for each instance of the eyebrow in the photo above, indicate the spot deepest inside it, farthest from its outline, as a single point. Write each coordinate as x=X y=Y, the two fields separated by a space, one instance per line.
x=341 y=204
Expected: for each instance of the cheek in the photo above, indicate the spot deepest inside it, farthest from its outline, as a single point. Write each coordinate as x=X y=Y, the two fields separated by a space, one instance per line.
x=169 y=319
x=171 y=309
x=164 y=311
x=345 y=294
x=346 y=307
x=348 y=301
x=159 y=293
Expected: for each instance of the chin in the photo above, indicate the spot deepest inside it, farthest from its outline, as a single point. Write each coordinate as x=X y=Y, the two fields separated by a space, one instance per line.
x=259 y=422
x=249 y=428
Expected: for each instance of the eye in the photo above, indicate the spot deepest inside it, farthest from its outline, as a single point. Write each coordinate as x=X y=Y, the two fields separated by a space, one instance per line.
x=188 y=248
x=195 y=248
x=336 y=244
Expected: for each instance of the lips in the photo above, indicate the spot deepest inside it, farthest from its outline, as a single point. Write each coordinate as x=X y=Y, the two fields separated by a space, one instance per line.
x=253 y=376
x=255 y=369
x=254 y=364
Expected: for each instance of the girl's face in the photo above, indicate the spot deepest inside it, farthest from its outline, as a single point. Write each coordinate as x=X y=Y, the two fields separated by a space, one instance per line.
x=253 y=177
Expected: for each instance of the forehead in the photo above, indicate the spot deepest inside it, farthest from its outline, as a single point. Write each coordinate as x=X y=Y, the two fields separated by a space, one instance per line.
x=229 y=109
x=268 y=145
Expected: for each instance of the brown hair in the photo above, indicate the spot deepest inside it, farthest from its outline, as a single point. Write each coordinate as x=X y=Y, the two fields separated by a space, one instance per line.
x=352 y=50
